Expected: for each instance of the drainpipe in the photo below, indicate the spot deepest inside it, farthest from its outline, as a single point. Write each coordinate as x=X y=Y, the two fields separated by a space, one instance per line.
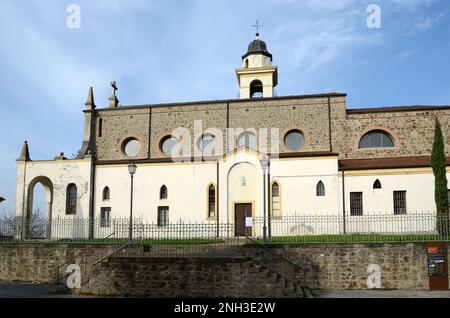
x=217 y=198
x=343 y=200
x=92 y=201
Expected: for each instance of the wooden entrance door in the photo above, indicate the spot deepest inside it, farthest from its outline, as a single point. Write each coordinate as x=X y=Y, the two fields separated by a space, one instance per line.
x=242 y=211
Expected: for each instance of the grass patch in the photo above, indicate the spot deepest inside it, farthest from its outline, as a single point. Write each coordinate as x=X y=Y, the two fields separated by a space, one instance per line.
x=356 y=238
x=119 y=241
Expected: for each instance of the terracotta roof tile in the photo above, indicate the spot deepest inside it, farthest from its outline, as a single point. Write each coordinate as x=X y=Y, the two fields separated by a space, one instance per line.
x=386 y=163
x=396 y=109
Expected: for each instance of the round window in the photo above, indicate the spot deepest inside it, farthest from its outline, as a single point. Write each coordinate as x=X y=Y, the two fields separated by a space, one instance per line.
x=294 y=140
x=131 y=147
x=248 y=140
x=207 y=144
x=167 y=144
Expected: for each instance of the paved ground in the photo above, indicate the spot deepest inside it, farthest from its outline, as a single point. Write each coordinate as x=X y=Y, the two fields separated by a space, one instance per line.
x=30 y=290
x=381 y=294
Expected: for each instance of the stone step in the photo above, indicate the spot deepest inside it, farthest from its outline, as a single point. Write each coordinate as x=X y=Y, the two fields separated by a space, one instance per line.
x=289 y=289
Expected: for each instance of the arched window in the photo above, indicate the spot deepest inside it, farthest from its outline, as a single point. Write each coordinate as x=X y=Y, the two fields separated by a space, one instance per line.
x=106 y=194
x=275 y=200
x=163 y=192
x=256 y=89
x=377 y=184
x=248 y=139
x=246 y=63
x=71 y=199
x=320 y=189
x=376 y=139
x=211 y=201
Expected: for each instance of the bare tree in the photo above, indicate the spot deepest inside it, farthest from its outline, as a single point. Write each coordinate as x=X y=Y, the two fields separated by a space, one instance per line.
x=7 y=224
x=36 y=226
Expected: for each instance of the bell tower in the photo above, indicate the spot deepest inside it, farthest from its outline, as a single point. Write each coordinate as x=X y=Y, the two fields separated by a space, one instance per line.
x=257 y=77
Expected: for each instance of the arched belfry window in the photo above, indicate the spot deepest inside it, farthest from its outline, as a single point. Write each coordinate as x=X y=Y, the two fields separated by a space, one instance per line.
x=256 y=89
x=71 y=199
x=212 y=207
x=377 y=184
x=275 y=200
x=106 y=194
x=376 y=139
x=246 y=63
x=320 y=189
x=163 y=192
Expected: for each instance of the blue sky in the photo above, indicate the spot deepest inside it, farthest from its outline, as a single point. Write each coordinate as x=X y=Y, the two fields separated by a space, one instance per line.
x=174 y=51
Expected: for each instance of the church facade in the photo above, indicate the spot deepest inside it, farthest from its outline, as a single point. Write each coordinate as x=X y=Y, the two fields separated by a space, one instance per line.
x=239 y=160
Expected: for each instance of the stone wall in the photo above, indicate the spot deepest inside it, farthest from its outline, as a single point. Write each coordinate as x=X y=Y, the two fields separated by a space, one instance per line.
x=308 y=114
x=40 y=262
x=328 y=266
x=323 y=266
x=186 y=278
x=412 y=131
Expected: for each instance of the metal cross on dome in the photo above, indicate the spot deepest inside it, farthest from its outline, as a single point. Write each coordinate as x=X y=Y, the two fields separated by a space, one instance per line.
x=257 y=26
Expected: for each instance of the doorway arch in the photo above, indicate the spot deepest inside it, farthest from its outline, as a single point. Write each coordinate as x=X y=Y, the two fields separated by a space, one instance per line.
x=29 y=226
x=244 y=191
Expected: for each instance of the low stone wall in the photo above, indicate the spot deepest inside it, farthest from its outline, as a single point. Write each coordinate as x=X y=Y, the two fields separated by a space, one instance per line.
x=180 y=277
x=40 y=262
x=324 y=266
x=342 y=266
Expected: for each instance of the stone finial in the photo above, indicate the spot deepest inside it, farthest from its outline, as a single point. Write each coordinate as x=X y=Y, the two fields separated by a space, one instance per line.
x=61 y=156
x=90 y=104
x=25 y=153
x=113 y=101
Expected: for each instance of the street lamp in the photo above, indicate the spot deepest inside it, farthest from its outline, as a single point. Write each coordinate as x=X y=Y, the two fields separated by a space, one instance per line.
x=264 y=164
x=132 y=170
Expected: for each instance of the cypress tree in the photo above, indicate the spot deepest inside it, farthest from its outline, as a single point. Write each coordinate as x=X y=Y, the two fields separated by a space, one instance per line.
x=440 y=181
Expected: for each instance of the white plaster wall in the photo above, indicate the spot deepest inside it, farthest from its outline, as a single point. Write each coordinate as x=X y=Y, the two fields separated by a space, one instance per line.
x=61 y=173
x=257 y=60
x=243 y=162
x=304 y=213
x=420 y=205
x=419 y=187
x=265 y=78
x=186 y=183
x=298 y=180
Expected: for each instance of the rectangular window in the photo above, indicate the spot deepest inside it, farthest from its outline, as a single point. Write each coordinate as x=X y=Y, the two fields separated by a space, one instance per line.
x=105 y=217
x=163 y=215
x=399 y=202
x=356 y=203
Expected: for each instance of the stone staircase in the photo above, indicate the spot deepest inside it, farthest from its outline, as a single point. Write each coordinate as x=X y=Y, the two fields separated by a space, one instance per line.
x=280 y=286
x=149 y=277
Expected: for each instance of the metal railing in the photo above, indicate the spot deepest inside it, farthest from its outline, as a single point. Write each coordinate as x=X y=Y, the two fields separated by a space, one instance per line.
x=301 y=228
